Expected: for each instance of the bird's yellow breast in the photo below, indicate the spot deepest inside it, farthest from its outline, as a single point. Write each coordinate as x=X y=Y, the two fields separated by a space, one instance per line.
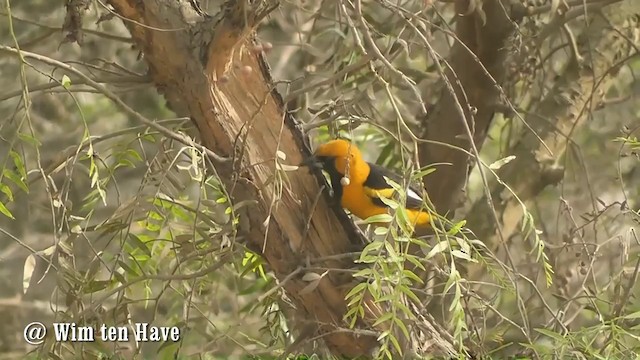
x=360 y=204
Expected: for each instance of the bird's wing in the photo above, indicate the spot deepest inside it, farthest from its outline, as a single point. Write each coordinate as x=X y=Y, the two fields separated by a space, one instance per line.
x=376 y=186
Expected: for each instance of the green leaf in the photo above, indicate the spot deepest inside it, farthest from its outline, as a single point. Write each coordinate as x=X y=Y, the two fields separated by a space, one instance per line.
x=464 y=245
x=103 y=195
x=128 y=269
x=354 y=300
x=17 y=161
x=118 y=276
x=411 y=275
x=403 y=220
x=399 y=323
x=149 y=138
x=138 y=243
x=634 y=315
x=457 y=227
x=15 y=178
x=382 y=319
x=363 y=273
x=461 y=255
x=410 y=294
x=380 y=218
x=134 y=154
x=394 y=185
x=154 y=215
x=437 y=248
x=451 y=280
x=396 y=344
x=66 y=82
x=5 y=211
x=124 y=163
x=29 y=139
x=551 y=334
x=167 y=349
x=221 y=200
x=391 y=251
x=415 y=261
x=407 y=312
x=7 y=191
x=389 y=202
x=417 y=176
x=381 y=231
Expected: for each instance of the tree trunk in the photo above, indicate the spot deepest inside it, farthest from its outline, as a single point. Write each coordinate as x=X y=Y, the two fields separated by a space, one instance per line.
x=206 y=69
x=468 y=102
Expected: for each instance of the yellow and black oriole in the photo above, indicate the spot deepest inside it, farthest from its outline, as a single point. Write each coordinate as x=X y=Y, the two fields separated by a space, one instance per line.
x=359 y=184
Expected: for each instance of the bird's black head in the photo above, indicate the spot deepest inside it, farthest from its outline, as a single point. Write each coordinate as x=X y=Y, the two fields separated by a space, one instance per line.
x=335 y=157
x=318 y=162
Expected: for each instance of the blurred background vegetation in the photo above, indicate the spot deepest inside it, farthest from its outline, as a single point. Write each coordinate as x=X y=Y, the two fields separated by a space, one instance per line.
x=100 y=210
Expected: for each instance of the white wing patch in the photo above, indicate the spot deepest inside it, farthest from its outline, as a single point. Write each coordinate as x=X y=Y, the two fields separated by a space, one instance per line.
x=412 y=194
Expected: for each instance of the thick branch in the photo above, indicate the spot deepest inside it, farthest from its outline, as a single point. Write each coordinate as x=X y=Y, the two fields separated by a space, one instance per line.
x=475 y=78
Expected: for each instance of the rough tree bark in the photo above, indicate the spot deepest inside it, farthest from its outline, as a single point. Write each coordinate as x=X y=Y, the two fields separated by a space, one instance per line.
x=206 y=69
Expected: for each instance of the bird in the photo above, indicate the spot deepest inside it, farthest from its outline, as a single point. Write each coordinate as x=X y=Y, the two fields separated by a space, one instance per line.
x=361 y=186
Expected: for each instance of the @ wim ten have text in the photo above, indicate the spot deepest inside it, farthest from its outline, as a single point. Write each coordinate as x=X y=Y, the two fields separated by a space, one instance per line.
x=138 y=331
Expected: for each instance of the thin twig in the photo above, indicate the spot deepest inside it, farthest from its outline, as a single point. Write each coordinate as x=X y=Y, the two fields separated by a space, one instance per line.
x=113 y=97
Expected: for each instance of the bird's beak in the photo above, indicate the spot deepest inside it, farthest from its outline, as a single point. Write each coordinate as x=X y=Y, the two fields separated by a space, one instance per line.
x=312 y=162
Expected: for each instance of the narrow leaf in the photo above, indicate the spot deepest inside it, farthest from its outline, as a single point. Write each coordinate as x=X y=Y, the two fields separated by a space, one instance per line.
x=27 y=272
